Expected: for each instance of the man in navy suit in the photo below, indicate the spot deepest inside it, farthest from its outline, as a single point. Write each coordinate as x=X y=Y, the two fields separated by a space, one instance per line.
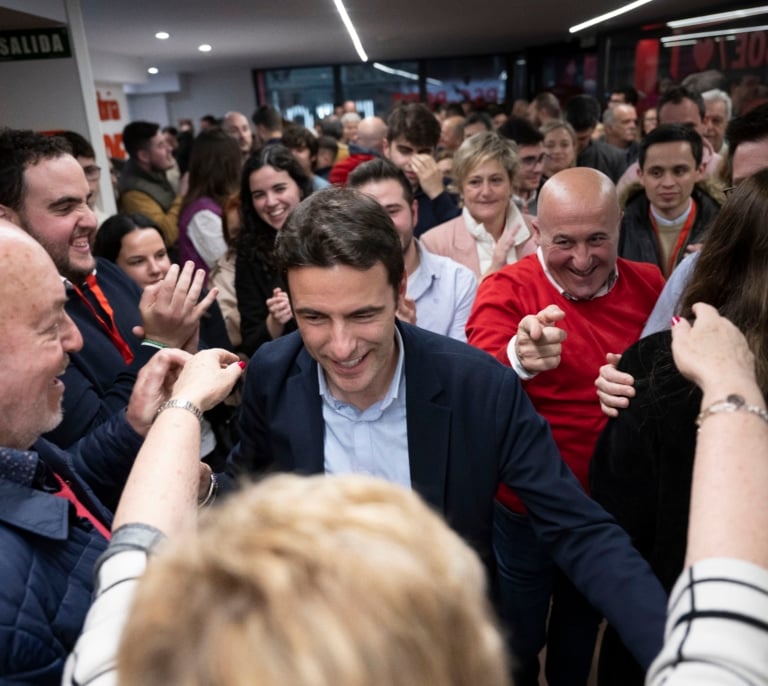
x=356 y=391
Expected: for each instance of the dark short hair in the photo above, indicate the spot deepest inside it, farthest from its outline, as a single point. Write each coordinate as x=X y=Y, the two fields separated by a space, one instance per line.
x=268 y=116
x=479 y=118
x=521 y=131
x=80 y=145
x=331 y=127
x=109 y=238
x=749 y=127
x=415 y=123
x=582 y=112
x=380 y=170
x=672 y=133
x=328 y=143
x=676 y=95
x=629 y=92
x=299 y=137
x=549 y=103
x=340 y=226
x=137 y=134
x=20 y=149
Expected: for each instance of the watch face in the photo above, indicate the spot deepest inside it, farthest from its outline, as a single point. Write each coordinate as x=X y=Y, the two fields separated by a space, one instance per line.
x=736 y=400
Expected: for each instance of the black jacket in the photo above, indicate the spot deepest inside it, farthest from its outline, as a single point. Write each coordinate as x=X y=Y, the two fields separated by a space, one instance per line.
x=638 y=241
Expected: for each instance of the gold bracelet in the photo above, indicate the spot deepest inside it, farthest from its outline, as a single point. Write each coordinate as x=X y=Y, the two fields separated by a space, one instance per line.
x=733 y=403
x=182 y=405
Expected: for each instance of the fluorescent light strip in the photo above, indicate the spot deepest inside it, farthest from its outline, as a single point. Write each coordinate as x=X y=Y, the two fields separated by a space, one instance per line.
x=711 y=34
x=395 y=72
x=720 y=16
x=608 y=15
x=351 y=30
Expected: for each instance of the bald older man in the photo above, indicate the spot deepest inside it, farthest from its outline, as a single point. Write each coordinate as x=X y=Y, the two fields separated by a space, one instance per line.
x=236 y=125
x=368 y=145
x=55 y=506
x=552 y=317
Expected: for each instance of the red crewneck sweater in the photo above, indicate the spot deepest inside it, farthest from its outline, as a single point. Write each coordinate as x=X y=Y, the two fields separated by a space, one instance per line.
x=565 y=396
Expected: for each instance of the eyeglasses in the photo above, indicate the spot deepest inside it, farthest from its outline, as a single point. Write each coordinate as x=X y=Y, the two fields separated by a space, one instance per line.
x=532 y=160
x=92 y=172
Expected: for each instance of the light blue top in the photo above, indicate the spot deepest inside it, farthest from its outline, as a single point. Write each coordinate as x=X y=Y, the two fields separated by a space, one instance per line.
x=666 y=306
x=373 y=441
x=444 y=291
x=318 y=183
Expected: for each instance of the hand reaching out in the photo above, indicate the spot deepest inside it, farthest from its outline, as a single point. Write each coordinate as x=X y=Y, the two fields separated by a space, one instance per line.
x=539 y=341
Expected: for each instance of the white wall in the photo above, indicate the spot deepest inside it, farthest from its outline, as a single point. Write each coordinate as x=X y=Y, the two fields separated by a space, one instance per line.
x=215 y=92
x=42 y=95
x=153 y=107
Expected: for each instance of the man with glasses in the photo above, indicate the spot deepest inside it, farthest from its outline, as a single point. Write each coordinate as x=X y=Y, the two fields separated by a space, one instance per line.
x=85 y=155
x=530 y=148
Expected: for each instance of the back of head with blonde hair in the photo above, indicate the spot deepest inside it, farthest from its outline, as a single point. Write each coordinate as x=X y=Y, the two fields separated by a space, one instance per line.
x=321 y=581
x=481 y=148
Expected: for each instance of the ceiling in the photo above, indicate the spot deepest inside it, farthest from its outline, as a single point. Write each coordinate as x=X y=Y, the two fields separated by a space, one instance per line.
x=284 y=33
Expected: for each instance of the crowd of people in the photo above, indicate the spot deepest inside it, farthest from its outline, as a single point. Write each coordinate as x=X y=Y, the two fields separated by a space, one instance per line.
x=494 y=332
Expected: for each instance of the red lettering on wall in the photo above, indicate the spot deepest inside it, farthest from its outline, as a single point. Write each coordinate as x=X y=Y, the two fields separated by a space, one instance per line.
x=756 y=52
x=108 y=109
x=114 y=145
x=741 y=52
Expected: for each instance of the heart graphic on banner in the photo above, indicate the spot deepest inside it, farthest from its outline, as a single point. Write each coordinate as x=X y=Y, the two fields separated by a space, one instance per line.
x=703 y=52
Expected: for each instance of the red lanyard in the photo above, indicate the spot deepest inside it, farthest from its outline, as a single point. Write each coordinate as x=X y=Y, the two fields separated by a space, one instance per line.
x=110 y=327
x=81 y=510
x=681 y=239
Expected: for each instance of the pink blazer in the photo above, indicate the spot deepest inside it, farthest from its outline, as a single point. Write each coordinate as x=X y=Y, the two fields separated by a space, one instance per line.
x=453 y=240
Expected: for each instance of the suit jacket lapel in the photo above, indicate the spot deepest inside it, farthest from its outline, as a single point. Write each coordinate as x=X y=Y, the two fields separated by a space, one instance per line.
x=428 y=423
x=303 y=399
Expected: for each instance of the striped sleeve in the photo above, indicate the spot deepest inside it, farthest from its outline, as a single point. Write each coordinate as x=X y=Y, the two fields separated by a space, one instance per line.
x=717 y=627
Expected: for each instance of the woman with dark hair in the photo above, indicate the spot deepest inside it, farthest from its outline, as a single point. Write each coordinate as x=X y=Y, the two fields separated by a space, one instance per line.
x=273 y=183
x=135 y=244
x=642 y=468
x=214 y=174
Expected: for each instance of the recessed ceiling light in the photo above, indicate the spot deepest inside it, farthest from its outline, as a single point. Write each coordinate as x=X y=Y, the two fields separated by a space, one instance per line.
x=162 y=35
x=204 y=47
x=153 y=70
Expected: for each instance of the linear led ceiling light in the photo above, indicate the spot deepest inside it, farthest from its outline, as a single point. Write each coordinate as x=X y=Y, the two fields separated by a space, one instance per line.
x=711 y=34
x=351 y=30
x=719 y=17
x=608 y=15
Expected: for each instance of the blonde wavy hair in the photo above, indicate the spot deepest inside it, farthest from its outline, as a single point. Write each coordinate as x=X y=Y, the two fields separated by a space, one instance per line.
x=320 y=581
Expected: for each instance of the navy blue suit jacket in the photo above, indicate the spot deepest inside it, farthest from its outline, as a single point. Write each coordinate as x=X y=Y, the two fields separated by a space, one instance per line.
x=470 y=426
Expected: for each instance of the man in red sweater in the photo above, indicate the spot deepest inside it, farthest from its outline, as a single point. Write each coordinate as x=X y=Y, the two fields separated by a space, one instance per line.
x=553 y=316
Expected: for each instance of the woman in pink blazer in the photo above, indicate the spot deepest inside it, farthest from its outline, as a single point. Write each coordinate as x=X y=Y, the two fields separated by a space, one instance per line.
x=491 y=231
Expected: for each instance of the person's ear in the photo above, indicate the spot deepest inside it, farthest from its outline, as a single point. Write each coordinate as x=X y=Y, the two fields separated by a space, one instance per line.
x=10 y=215
x=536 y=231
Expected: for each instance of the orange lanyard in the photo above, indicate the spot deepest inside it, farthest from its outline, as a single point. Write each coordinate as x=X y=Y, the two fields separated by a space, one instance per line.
x=109 y=327
x=81 y=510
x=681 y=239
